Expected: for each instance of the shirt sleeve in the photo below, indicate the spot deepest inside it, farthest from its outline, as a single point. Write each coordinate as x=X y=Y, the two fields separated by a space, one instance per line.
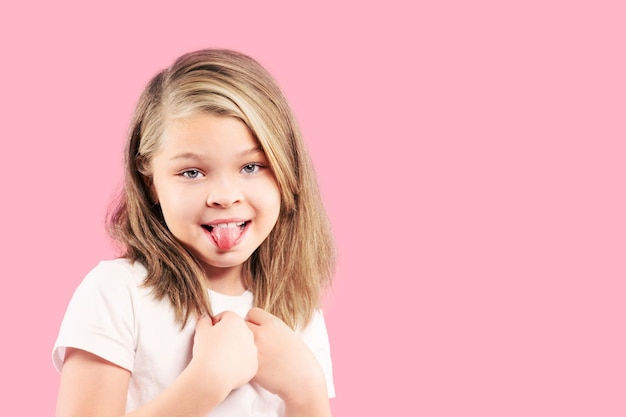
x=100 y=317
x=315 y=336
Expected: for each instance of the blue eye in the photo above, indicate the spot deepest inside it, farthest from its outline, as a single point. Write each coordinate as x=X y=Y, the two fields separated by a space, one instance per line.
x=191 y=174
x=251 y=168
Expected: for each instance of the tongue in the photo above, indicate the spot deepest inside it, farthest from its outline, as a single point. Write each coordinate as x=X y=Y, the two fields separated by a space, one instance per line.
x=226 y=237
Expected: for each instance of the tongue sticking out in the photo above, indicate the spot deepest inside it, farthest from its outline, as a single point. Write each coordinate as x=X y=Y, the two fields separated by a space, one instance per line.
x=226 y=237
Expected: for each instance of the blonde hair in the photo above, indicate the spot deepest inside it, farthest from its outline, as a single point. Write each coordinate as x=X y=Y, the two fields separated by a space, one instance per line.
x=290 y=268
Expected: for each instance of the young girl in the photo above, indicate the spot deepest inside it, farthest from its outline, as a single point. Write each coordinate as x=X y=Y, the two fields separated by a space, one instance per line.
x=213 y=310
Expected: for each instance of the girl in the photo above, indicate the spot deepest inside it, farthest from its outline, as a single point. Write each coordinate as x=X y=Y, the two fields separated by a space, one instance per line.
x=213 y=308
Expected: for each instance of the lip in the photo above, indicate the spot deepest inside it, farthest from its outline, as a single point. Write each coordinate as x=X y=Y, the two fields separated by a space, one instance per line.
x=230 y=220
x=208 y=228
x=211 y=225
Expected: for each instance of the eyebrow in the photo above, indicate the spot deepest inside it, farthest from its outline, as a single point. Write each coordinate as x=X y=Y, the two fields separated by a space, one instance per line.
x=196 y=157
x=251 y=151
x=186 y=155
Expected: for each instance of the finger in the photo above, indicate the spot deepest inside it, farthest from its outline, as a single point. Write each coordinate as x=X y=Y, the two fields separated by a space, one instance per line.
x=204 y=321
x=259 y=316
x=252 y=326
x=225 y=315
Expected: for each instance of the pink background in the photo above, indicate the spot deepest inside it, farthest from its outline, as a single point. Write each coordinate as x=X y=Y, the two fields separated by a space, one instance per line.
x=471 y=155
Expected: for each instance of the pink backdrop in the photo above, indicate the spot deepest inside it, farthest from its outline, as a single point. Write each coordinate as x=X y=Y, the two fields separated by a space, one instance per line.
x=471 y=155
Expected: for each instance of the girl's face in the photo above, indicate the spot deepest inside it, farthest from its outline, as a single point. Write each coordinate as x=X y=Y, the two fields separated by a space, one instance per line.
x=217 y=192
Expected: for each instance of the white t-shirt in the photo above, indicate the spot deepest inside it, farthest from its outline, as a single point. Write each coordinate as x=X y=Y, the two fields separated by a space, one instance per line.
x=113 y=316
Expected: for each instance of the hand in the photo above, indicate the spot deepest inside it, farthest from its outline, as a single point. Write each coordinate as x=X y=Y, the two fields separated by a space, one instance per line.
x=287 y=367
x=224 y=349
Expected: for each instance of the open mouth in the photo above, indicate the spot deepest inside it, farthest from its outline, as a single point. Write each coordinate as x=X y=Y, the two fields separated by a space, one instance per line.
x=232 y=225
x=226 y=235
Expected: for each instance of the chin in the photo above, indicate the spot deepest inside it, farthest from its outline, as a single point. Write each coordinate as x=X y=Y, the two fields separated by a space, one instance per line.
x=226 y=260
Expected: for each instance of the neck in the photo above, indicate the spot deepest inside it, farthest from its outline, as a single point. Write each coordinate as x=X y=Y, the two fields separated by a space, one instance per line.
x=227 y=281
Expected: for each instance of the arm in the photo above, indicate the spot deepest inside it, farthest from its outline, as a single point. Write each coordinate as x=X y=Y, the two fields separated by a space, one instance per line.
x=287 y=367
x=92 y=386
x=91 y=383
x=314 y=403
x=224 y=358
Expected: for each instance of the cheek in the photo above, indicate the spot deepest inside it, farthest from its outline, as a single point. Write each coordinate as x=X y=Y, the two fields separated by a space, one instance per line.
x=177 y=205
x=268 y=199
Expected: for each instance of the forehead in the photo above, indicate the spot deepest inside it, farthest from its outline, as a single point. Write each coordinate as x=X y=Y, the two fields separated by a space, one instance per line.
x=207 y=133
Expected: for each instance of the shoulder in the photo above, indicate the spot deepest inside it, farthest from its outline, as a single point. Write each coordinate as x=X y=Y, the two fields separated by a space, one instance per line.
x=101 y=315
x=118 y=270
x=315 y=333
x=315 y=336
x=113 y=276
x=111 y=280
x=111 y=288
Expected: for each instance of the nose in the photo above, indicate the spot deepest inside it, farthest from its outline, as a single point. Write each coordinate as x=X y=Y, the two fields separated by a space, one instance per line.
x=224 y=193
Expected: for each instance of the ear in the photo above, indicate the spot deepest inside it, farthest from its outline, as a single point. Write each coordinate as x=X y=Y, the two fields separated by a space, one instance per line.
x=146 y=178
x=154 y=197
x=149 y=184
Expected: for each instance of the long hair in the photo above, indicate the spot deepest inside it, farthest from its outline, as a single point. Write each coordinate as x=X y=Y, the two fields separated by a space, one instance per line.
x=291 y=267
